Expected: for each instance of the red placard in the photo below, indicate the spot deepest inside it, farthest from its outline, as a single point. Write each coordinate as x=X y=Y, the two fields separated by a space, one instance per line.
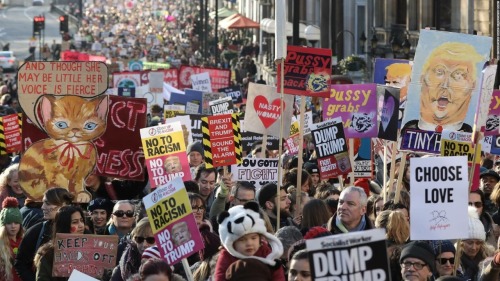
x=307 y=71
x=219 y=78
x=12 y=133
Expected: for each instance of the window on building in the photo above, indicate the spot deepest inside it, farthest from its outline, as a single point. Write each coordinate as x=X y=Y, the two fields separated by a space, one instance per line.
x=442 y=14
x=401 y=12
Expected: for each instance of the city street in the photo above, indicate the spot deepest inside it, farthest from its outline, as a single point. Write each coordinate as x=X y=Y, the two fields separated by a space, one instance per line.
x=16 y=28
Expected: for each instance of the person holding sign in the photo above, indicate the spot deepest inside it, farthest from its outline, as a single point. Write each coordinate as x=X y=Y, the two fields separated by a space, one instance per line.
x=351 y=212
x=243 y=234
x=69 y=219
x=448 y=80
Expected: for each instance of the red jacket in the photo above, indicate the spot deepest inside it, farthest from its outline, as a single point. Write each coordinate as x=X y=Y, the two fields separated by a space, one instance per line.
x=225 y=260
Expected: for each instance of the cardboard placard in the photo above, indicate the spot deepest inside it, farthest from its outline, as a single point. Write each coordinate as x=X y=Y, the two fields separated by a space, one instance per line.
x=165 y=153
x=90 y=254
x=221 y=140
x=358 y=255
x=172 y=221
x=439 y=196
x=9 y=125
x=201 y=82
x=356 y=104
x=257 y=171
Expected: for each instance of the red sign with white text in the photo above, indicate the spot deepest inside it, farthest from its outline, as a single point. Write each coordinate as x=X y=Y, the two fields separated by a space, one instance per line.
x=12 y=133
x=219 y=78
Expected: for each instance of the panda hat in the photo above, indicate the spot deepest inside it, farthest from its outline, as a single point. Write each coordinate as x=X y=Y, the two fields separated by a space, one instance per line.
x=242 y=220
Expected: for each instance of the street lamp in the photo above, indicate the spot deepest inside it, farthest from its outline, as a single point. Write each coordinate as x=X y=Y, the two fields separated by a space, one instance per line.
x=374 y=42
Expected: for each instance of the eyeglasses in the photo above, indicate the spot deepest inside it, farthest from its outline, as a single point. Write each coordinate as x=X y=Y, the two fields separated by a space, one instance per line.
x=198 y=208
x=478 y=204
x=415 y=265
x=140 y=240
x=244 y=200
x=121 y=213
x=444 y=260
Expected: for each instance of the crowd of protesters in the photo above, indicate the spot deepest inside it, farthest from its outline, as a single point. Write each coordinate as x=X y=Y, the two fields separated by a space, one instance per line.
x=271 y=249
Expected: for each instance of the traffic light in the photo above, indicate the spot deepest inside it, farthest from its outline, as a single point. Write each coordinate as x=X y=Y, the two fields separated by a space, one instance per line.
x=63 y=24
x=38 y=24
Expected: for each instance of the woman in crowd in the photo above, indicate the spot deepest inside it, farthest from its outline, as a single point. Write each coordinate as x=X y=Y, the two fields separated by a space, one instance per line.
x=474 y=247
x=199 y=210
x=477 y=199
x=130 y=261
x=11 y=234
x=9 y=185
x=291 y=178
x=157 y=270
x=204 y=269
x=300 y=269
x=122 y=219
x=40 y=233
x=315 y=213
x=68 y=219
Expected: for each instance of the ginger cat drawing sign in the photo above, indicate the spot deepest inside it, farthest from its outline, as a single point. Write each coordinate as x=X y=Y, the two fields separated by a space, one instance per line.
x=68 y=156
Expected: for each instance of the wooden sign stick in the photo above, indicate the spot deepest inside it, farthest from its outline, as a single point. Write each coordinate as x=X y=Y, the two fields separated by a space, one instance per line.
x=400 y=177
x=301 y=151
x=351 y=158
x=388 y=187
x=263 y=147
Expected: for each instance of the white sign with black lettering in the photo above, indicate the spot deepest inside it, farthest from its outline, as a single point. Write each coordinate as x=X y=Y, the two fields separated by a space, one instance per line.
x=221 y=106
x=201 y=82
x=258 y=171
x=358 y=255
x=439 y=198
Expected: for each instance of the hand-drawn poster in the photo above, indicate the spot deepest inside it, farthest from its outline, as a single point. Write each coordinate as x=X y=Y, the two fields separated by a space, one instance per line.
x=460 y=143
x=165 y=153
x=306 y=71
x=447 y=77
x=115 y=158
x=360 y=255
x=493 y=121
x=388 y=109
x=485 y=98
x=221 y=140
x=257 y=171
x=172 y=221
x=201 y=82
x=263 y=110
x=11 y=140
x=87 y=253
x=439 y=195
x=62 y=101
x=356 y=104
x=331 y=148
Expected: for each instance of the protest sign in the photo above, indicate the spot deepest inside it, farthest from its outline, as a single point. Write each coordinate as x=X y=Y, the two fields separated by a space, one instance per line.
x=201 y=82
x=219 y=78
x=306 y=71
x=207 y=98
x=11 y=136
x=127 y=82
x=493 y=120
x=292 y=142
x=248 y=139
x=460 y=143
x=192 y=99
x=485 y=99
x=172 y=110
x=155 y=81
x=36 y=78
x=356 y=104
x=331 y=148
x=171 y=77
x=427 y=112
x=187 y=131
x=257 y=171
x=358 y=255
x=388 y=112
x=165 y=153
x=221 y=140
x=87 y=253
x=79 y=276
x=362 y=158
x=234 y=92
x=222 y=106
x=439 y=196
x=172 y=221
x=264 y=110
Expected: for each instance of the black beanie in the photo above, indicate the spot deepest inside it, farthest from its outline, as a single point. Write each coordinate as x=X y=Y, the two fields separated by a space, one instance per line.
x=419 y=250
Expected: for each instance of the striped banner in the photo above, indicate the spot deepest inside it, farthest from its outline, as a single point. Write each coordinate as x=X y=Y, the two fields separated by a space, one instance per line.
x=221 y=140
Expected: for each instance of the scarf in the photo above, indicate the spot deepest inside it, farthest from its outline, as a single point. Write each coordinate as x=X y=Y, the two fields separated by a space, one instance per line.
x=361 y=226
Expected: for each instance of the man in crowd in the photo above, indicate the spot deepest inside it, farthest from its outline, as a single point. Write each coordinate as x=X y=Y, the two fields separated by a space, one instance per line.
x=100 y=212
x=489 y=179
x=206 y=179
x=270 y=201
x=417 y=261
x=351 y=212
